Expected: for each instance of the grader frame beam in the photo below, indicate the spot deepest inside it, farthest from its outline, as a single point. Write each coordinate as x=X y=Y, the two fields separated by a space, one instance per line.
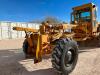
x=25 y=29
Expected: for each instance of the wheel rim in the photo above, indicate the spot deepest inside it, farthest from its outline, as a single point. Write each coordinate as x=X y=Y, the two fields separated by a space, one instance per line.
x=69 y=59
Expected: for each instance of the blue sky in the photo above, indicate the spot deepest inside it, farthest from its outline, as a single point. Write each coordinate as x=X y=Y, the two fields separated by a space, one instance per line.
x=28 y=10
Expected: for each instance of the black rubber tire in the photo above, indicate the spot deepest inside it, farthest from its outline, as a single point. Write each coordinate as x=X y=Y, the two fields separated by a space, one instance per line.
x=25 y=47
x=99 y=40
x=62 y=47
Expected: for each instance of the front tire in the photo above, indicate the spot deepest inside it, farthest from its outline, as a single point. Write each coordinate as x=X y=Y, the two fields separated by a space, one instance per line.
x=25 y=47
x=65 y=56
x=99 y=40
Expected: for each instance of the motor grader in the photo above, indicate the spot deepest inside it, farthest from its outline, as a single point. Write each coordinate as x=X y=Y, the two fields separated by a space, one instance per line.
x=55 y=39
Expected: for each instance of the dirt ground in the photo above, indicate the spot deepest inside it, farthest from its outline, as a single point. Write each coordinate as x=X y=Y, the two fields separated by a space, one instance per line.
x=12 y=61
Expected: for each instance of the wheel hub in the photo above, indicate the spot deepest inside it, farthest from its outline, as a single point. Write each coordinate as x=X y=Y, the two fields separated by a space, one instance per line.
x=68 y=58
x=69 y=55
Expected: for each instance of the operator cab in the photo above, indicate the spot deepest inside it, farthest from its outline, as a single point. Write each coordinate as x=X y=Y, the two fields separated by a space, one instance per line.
x=85 y=14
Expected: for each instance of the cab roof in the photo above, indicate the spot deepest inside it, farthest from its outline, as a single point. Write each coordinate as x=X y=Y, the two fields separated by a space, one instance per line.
x=84 y=6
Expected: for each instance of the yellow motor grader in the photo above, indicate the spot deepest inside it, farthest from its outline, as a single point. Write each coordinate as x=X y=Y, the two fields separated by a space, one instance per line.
x=54 y=39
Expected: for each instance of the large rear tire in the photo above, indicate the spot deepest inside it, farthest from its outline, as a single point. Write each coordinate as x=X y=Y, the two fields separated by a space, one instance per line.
x=65 y=56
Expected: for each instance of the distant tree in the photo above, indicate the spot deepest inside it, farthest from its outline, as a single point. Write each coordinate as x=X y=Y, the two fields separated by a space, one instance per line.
x=52 y=20
x=64 y=22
